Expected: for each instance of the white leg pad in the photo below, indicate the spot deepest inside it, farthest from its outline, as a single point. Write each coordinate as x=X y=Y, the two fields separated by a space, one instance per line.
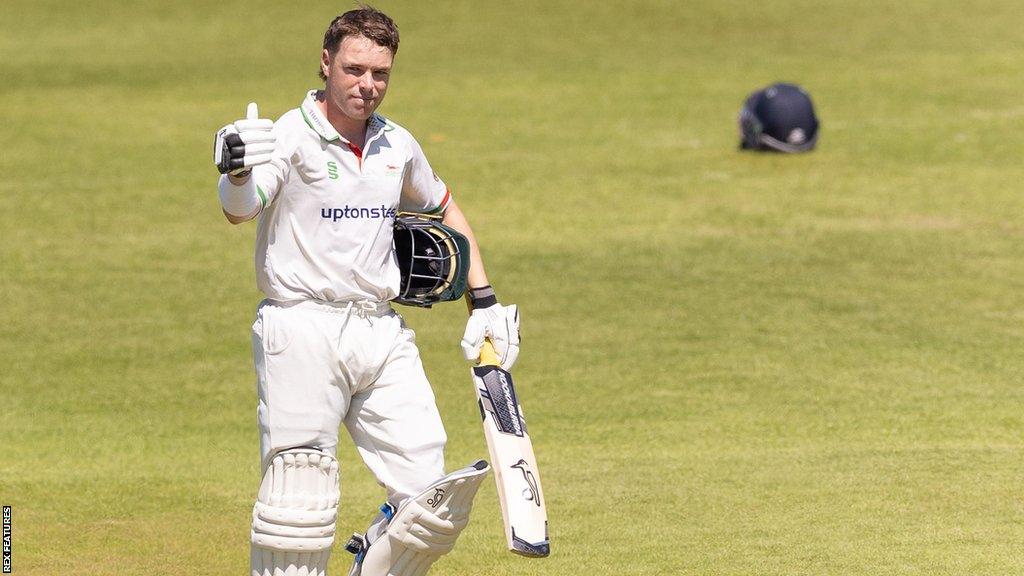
x=295 y=513
x=424 y=528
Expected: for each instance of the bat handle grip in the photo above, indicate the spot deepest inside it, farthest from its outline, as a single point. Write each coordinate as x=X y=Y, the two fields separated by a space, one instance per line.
x=488 y=356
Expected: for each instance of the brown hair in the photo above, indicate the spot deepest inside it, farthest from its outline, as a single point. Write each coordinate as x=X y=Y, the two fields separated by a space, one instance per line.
x=364 y=21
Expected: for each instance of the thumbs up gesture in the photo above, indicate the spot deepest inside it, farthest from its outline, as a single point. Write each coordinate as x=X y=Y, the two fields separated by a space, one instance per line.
x=243 y=144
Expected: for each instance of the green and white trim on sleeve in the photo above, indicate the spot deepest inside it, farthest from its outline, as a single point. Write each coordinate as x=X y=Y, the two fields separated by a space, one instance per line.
x=245 y=201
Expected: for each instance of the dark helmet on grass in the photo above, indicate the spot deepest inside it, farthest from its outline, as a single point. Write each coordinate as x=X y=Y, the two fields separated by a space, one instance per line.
x=780 y=118
x=433 y=260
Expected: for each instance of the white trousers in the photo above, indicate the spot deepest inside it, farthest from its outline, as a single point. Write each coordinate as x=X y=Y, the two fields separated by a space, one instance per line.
x=319 y=365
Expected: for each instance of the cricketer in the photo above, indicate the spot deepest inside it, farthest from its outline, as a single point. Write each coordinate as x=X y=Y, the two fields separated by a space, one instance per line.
x=325 y=183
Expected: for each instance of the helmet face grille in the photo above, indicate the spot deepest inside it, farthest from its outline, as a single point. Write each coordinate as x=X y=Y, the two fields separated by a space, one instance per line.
x=433 y=260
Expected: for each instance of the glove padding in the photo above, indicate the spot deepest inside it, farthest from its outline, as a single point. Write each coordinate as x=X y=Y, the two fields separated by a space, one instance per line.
x=500 y=325
x=243 y=144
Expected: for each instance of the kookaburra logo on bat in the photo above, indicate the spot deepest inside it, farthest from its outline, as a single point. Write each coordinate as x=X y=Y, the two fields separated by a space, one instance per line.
x=531 y=493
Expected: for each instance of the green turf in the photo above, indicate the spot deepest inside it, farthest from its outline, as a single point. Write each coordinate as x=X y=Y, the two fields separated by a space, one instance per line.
x=732 y=363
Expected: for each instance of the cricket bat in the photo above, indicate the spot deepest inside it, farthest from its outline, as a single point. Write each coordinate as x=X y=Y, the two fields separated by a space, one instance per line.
x=523 y=507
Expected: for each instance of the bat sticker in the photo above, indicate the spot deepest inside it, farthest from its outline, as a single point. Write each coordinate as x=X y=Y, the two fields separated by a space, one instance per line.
x=504 y=405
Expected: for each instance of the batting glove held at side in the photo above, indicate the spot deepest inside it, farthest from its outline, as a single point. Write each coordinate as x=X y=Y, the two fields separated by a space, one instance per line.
x=243 y=144
x=500 y=325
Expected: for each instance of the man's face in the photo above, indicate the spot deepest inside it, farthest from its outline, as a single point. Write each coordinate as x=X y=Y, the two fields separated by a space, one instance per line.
x=357 y=76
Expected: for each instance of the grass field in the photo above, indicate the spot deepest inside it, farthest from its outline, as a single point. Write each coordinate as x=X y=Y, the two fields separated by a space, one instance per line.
x=732 y=363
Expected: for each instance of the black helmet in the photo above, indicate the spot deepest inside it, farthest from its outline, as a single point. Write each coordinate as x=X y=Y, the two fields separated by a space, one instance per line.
x=779 y=117
x=433 y=260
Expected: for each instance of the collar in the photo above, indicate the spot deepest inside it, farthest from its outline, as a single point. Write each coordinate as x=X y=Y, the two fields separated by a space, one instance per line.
x=375 y=125
x=318 y=122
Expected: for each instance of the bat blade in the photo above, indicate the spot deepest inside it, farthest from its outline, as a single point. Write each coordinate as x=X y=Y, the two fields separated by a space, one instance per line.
x=523 y=506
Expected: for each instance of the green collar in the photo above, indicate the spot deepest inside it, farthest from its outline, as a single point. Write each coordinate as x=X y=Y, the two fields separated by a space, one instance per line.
x=315 y=118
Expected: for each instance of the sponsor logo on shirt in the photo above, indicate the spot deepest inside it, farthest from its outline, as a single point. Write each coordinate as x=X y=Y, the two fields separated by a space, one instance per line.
x=355 y=212
x=332 y=170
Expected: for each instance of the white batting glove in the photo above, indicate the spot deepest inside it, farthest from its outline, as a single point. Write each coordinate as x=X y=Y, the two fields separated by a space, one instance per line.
x=243 y=144
x=500 y=325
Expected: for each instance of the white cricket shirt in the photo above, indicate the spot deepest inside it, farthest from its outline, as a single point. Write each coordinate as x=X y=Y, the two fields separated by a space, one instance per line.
x=326 y=226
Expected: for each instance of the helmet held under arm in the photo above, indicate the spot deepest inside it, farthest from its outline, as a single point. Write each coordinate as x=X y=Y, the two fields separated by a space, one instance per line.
x=433 y=260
